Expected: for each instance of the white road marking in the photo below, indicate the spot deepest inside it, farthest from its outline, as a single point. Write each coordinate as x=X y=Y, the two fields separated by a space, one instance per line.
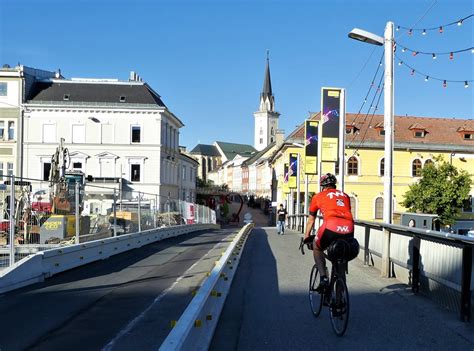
x=134 y=321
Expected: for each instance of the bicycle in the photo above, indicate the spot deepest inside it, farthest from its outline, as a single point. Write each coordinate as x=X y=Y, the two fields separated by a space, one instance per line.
x=336 y=294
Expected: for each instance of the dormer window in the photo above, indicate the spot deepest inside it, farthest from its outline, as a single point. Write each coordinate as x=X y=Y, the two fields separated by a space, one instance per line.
x=122 y=98
x=468 y=136
x=66 y=97
x=419 y=131
x=351 y=129
x=379 y=128
x=419 y=134
x=382 y=131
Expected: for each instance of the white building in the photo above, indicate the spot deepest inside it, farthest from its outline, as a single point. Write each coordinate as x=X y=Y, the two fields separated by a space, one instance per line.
x=189 y=169
x=115 y=131
x=15 y=84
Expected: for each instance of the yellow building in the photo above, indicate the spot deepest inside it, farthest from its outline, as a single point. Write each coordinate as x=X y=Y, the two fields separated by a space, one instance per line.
x=418 y=140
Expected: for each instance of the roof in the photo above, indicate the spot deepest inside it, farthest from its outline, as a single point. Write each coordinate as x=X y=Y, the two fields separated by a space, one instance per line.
x=255 y=157
x=188 y=158
x=439 y=131
x=205 y=150
x=231 y=150
x=94 y=91
x=267 y=83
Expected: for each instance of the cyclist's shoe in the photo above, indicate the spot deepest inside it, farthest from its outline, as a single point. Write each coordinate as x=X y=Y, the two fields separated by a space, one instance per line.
x=338 y=309
x=323 y=285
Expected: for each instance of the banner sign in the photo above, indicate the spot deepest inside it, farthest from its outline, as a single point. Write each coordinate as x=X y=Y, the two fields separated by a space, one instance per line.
x=285 y=178
x=292 y=170
x=330 y=107
x=311 y=147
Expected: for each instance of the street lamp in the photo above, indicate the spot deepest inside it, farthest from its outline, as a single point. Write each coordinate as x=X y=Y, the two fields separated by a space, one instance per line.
x=388 y=42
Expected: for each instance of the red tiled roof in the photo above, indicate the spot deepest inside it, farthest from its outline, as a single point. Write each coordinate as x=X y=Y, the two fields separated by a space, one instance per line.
x=447 y=131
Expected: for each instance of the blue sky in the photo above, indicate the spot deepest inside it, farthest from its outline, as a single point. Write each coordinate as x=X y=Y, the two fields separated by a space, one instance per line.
x=207 y=58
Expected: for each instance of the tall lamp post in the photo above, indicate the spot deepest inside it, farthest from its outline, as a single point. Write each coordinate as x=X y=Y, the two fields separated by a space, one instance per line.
x=388 y=42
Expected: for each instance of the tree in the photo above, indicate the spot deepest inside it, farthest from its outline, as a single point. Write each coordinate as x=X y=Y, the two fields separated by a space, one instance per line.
x=441 y=190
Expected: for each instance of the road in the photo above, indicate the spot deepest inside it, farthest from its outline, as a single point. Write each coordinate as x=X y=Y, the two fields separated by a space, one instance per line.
x=122 y=303
x=268 y=309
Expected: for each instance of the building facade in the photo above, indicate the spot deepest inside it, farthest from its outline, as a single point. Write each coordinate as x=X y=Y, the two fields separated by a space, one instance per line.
x=114 y=130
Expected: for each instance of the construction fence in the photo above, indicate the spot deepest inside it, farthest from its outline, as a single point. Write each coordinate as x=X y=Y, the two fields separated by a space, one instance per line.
x=38 y=215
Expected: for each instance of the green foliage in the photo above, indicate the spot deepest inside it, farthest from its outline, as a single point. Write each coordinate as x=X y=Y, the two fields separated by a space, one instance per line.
x=441 y=190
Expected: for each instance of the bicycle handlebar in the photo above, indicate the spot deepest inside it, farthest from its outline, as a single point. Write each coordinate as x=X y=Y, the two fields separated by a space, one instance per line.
x=308 y=242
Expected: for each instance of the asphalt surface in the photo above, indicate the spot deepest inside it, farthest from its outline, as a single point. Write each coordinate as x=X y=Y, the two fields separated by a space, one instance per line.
x=122 y=303
x=268 y=308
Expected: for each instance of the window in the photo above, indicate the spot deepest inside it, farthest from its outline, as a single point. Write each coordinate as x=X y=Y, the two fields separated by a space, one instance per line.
x=379 y=208
x=49 y=133
x=77 y=165
x=78 y=133
x=419 y=134
x=261 y=131
x=468 y=136
x=3 y=89
x=382 y=132
x=272 y=132
x=1 y=170
x=9 y=168
x=66 y=97
x=416 y=168
x=136 y=134
x=46 y=170
x=353 y=206
x=2 y=130
x=382 y=167
x=11 y=130
x=191 y=173
x=123 y=98
x=135 y=172
x=348 y=130
x=352 y=166
x=428 y=162
x=184 y=173
x=261 y=140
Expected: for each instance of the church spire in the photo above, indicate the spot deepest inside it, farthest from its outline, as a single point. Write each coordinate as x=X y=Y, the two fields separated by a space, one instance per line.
x=267 y=83
x=267 y=100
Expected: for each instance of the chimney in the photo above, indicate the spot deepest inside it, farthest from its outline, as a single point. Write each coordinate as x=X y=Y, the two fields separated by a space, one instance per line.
x=132 y=76
x=279 y=137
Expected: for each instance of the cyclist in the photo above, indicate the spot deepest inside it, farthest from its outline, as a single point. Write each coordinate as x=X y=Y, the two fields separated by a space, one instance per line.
x=335 y=208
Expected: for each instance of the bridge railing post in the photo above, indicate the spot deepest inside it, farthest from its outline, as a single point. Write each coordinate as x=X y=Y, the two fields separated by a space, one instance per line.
x=466 y=284
x=366 y=246
x=415 y=280
x=385 y=269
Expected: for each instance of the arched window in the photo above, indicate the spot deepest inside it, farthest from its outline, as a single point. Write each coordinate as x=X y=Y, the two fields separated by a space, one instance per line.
x=428 y=162
x=209 y=164
x=272 y=131
x=382 y=167
x=379 y=208
x=353 y=207
x=352 y=166
x=416 y=168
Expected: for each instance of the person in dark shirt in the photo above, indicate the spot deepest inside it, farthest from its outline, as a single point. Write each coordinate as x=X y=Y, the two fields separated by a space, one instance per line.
x=281 y=213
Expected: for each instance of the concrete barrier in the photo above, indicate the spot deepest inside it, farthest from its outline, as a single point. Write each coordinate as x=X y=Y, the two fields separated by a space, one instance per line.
x=195 y=328
x=41 y=265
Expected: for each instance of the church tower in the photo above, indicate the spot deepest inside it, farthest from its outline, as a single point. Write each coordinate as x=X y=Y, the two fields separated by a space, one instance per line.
x=266 y=118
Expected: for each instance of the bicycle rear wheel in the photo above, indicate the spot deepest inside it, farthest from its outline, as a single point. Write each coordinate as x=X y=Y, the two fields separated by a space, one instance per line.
x=315 y=298
x=339 y=307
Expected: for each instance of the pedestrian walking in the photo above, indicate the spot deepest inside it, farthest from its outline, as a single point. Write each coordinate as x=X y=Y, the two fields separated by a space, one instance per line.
x=281 y=220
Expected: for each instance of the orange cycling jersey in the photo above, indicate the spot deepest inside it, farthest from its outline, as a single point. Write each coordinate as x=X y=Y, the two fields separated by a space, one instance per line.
x=332 y=203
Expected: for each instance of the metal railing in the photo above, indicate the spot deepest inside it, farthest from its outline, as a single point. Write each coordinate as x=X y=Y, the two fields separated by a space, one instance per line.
x=437 y=263
x=35 y=215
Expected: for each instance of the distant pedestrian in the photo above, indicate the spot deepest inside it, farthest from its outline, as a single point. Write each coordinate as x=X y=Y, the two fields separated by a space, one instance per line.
x=281 y=219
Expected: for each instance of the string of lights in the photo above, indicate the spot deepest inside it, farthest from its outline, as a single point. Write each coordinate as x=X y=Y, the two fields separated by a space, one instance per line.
x=435 y=54
x=375 y=108
x=428 y=77
x=371 y=86
x=439 y=28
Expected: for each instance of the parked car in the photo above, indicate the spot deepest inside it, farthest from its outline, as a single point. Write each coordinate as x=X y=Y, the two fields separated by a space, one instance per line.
x=470 y=233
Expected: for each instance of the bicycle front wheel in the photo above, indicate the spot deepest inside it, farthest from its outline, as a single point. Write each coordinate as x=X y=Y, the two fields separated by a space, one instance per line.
x=315 y=298
x=339 y=306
